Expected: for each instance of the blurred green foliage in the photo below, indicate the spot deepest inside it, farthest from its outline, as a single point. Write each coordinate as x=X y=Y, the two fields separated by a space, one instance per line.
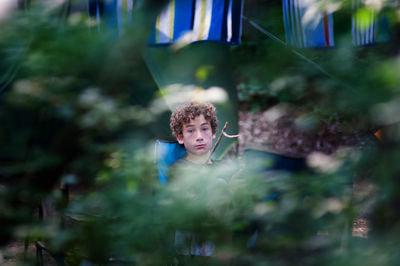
x=74 y=108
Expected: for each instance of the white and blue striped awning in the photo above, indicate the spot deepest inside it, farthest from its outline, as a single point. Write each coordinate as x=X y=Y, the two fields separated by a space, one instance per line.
x=199 y=20
x=307 y=24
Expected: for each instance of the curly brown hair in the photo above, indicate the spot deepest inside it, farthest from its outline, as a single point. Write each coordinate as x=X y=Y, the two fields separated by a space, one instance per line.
x=184 y=113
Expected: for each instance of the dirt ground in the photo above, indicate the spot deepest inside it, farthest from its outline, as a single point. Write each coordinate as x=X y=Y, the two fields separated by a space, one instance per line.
x=288 y=130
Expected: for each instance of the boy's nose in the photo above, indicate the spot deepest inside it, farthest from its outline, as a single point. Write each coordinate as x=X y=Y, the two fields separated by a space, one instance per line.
x=199 y=136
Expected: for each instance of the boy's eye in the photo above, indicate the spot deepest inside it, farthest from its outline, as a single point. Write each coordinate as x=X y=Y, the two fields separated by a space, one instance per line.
x=205 y=129
x=189 y=130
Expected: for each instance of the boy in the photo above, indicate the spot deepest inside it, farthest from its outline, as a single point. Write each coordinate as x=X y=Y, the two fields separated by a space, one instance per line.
x=195 y=126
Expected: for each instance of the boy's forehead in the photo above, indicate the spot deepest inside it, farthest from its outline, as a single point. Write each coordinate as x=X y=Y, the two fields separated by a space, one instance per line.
x=198 y=119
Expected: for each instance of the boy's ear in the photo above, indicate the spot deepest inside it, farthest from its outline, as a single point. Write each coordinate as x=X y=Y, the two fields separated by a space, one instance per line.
x=179 y=138
x=214 y=135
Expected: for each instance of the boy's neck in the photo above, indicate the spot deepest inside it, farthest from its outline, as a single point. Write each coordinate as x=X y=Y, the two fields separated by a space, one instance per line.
x=198 y=159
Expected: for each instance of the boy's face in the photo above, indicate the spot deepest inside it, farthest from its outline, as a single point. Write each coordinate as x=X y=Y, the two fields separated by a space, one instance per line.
x=197 y=136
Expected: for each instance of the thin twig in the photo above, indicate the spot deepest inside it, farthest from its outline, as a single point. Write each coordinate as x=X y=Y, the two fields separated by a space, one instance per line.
x=230 y=136
x=223 y=133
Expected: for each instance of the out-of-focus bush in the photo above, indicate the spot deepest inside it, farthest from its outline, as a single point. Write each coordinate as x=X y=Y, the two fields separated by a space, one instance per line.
x=69 y=96
x=74 y=108
x=357 y=86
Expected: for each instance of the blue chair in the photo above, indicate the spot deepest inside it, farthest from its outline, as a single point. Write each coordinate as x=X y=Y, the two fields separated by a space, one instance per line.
x=264 y=162
x=165 y=154
x=259 y=161
x=273 y=161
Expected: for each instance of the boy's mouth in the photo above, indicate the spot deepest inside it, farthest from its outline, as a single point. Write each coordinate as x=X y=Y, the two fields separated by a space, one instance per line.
x=200 y=147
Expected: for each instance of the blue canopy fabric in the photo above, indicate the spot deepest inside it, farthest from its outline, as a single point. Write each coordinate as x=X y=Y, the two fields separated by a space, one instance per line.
x=200 y=20
x=307 y=24
x=367 y=27
x=114 y=13
x=165 y=154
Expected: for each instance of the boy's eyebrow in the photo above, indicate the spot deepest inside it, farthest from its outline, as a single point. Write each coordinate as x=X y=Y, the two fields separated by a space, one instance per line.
x=190 y=125
x=205 y=124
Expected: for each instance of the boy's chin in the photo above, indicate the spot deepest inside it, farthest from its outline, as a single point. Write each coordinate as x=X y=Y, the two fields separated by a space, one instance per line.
x=200 y=152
